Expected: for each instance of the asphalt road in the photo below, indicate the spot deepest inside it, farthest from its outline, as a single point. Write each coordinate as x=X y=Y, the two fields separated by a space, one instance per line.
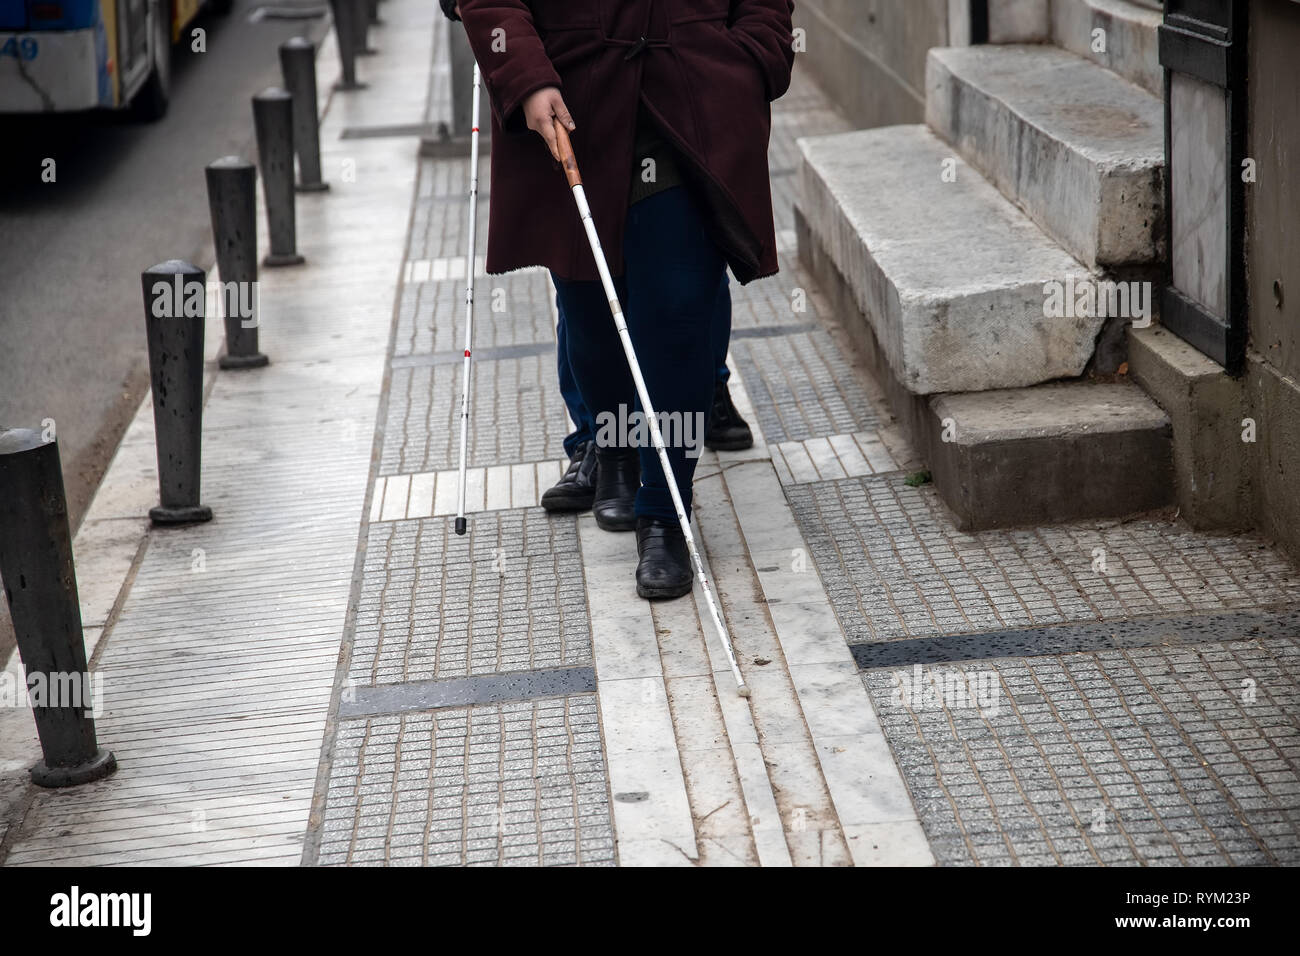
x=126 y=195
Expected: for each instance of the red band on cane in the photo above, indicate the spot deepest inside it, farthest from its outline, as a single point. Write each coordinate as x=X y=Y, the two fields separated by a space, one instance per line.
x=467 y=353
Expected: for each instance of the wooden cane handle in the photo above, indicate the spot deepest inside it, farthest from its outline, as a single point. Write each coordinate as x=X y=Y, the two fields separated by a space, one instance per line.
x=567 y=159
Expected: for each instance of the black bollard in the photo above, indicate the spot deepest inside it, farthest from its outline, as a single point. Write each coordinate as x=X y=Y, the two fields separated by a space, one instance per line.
x=361 y=17
x=232 y=201
x=452 y=139
x=345 y=32
x=298 y=64
x=40 y=585
x=173 y=314
x=273 y=123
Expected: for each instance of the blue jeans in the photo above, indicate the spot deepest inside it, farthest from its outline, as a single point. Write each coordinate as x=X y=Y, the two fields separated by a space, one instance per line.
x=585 y=429
x=671 y=292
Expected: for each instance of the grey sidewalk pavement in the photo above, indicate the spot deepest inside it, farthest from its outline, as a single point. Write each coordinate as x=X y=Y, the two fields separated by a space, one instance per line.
x=327 y=675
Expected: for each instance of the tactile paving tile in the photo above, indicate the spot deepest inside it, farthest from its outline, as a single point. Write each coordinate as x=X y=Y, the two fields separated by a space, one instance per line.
x=440 y=221
x=811 y=115
x=1153 y=755
x=508 y=597
x=511 y=784
x=772 y=302
x=895 y=567
x=508 y=310
x=803 y=111
x=801 y=387
x=516 y=415
x=785 y=193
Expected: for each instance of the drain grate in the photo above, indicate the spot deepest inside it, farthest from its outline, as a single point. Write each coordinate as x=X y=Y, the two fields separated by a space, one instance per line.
x=469 y=691
x=1074 y=638
x=287 y=12
x=384 y=132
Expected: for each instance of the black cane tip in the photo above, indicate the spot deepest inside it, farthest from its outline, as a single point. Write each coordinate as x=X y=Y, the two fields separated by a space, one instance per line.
x=460 y=526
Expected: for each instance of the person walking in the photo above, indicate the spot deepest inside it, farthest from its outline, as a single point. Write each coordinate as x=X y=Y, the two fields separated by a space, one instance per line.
x=686 y=84
x=726 y=429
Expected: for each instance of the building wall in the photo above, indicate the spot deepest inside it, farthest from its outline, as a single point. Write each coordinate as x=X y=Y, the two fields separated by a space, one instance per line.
x=1273 y=267
x=869 y=55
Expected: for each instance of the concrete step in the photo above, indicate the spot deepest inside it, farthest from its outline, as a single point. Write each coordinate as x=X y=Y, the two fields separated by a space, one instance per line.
x=951 y=276
x=1050 y=454
x=1129 y=32
x=1078 y=148
x=1205 y=404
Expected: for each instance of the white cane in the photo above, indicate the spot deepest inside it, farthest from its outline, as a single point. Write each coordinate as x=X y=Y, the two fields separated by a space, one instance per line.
x=469 y=300
x=570 y=164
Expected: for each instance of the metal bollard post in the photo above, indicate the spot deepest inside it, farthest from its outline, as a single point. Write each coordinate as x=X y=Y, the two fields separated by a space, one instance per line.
x=40 y=584
x=452 y=138
x=345 y=32
x=173 y=314
x=361 y=14
x=273 y=121
x=232 y=201
x=298 y=64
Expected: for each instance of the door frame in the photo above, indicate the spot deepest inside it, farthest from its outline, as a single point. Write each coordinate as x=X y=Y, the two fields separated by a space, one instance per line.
x=1206 y=39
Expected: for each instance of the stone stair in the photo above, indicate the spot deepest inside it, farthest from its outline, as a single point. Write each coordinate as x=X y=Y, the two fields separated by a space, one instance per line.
x=1129 y=28
x=1039 y=172
x=1088 y=168
x=950 y=274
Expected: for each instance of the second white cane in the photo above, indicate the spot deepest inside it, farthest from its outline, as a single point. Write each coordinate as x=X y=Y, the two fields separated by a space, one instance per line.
x=470 y=256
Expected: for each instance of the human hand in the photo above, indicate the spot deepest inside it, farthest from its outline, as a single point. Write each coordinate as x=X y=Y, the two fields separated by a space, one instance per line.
x=539 y=108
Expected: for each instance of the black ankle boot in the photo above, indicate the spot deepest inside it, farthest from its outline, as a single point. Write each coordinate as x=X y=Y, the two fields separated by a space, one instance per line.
x=618 y=479
x=665 y=568
x=726 y=430
x=577 y=489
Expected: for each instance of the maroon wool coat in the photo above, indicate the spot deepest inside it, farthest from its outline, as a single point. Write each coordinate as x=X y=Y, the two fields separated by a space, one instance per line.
x=707 y=71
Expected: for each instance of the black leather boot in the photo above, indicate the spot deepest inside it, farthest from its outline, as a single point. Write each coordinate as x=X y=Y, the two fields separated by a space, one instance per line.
x=726 y=430
x=618 y=479
x=577 y=489
x=664 y=570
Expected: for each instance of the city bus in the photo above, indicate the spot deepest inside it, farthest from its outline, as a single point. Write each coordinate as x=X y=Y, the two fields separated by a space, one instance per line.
x=61 y=56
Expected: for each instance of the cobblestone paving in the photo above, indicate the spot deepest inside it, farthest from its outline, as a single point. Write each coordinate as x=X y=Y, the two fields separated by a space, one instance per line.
x=1156 y=756
x=895 y=567
x=509 y=597
x=516 y=415
x=516 y=784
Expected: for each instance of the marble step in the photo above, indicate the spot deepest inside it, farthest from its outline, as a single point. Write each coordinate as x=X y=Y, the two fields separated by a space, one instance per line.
x=951 y=275
x=1075 y=146
x=1129 y=31
x=1048 y=454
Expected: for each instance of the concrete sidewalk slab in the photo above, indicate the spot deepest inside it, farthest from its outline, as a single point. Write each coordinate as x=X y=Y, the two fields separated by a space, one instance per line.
x=218 y=660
